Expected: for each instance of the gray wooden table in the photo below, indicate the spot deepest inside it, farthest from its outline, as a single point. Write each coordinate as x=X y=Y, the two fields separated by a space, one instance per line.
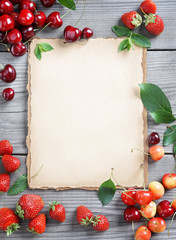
x=100 y=15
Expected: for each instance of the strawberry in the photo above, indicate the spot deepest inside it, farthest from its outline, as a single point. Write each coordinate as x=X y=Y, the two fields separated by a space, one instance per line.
x=29 y=206
x=4 y=182
x=131 y=19
x=57 y=211
x=84 y=215
x=10 y=163
x=154 y=24
x=148 y=6
x=38 y=224
x=100 y=223
x=5 y=147
x=8 y=221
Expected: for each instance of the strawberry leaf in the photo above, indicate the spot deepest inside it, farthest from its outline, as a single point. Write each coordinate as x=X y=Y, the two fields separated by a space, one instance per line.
x=121 y=31
x=140 y=40
x=68 y=4
x=19 y=186
x=106 y=192
x=170 y=135
x=156 y=103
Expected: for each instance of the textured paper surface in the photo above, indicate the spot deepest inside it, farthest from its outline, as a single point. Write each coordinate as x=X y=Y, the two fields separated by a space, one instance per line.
x=85 y=115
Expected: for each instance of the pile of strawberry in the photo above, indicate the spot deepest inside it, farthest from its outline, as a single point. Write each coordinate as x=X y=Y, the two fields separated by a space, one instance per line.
x=18 y=27
x=10 y=163
x=153 y=22
x=145 y=198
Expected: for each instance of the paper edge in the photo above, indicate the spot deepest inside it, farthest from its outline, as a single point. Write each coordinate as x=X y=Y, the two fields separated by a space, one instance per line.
x=28 y=138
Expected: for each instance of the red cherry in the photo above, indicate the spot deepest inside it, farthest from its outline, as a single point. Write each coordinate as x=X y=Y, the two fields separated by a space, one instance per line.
x=87 y=33
x=8 y=94
x=18 y=50
x=28 y=4
x=47 y=3
x=153 y=138
x=128 y=196
x=132 y=214
x=14 y=36
x=143 y=197
x=39 y=19
x=8 y=73
x=27 y=33
x=6 y=7
x=55 y=20
x=14 y=15
x=72 y=34
x=6 y=23
x=25 y=17
x=164 y=209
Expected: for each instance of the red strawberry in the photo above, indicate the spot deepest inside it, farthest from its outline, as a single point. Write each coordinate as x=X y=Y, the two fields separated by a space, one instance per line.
x=57 y=211
x=84 y=216
x=131 y=19
x=10 y=163
x=100 y=223
x=4 y=182
x=148 y=6
x=38 y=224
x=29 y=206
x=8 y=221
x=154 y=24
x=5 y=147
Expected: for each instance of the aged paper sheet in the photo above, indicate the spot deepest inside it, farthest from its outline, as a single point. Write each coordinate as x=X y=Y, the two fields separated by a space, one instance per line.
x=85 y=115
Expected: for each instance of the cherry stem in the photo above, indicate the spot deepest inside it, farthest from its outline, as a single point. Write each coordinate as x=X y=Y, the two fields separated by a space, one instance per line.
x=4 y=37
x=140 y=151
x=129 y=196
x=37 y=33
x=142 y=167
x=112 y=176
x=2 y=68
x=5 y=45
x=132 y=225
x=20 y=173
x=144 y=216
x=173 y=168
x=171 y=224
x=36 y=174
x=68 y=10
x=81 y=14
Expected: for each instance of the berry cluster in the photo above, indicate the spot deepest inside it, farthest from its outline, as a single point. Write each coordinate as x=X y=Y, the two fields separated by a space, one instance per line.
x=153 y=23
x=145 y=198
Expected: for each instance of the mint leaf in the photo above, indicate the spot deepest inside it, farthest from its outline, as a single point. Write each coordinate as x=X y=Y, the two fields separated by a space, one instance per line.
x=125 y=44
x=19 y=186
x=106 y=192
x=68 y=3
x=42 y=47
x=45 y=47
x=156 y=102
x=121 y=31
x=140 y=40
x=170 y=135
x=162 y=116
x=37 y=52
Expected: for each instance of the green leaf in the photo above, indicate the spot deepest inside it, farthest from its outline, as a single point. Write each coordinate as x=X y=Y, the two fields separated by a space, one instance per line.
x=19 y=186
x=121 y=31
x=45 y=47
x=68 y=3
x=106 y=192
x=140 y=40
x=162 y=116
x=156 y=102
x=169 y=135
x=175 y=149
x=125 y=44
x=37 y=52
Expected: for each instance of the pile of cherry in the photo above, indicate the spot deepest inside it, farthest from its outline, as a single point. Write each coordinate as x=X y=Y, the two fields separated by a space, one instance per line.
x=18 y=28
x=145 y=199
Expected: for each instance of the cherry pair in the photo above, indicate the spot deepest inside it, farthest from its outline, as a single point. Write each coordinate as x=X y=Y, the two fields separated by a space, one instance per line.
x=71 y=34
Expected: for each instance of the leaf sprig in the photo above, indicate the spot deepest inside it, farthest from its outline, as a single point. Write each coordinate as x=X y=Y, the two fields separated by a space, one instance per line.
x=132 y=38
x=42 y=47
x=68 y=4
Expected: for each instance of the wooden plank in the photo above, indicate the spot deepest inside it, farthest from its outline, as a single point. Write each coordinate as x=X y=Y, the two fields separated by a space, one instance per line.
x=161 y=70
x=102 y=15
x=71 y=199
